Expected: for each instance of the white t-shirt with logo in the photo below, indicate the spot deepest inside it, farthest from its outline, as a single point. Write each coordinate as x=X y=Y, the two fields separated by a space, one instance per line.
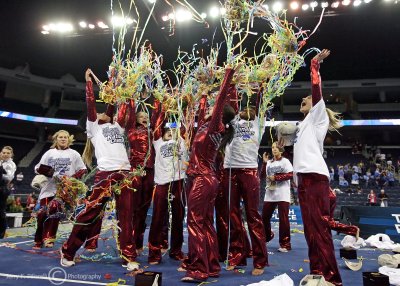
x=242 y=152
x=109 y=143
x=308 y=147
x=281 y=193
x=169 y=161
x=64 y=162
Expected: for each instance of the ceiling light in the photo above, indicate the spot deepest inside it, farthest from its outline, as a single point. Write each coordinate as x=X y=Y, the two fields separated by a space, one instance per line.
x=357 y=3
x=91 y=26
x=277 y=7
x=294 y=5
x=346 y=2
x=102 y=25
x=335 y=4
x=324 y=4
x=183 y=15
x=203 y=15
x=304 y=7
x=82 y=24
x=214 y=12
x=45 y=32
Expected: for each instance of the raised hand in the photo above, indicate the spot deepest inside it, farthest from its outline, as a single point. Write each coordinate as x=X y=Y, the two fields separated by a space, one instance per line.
x=87 y=75
x=322 y=55
x=265 y=157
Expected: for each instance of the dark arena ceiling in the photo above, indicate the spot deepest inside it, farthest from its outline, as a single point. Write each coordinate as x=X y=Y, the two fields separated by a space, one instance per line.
x=365 y=40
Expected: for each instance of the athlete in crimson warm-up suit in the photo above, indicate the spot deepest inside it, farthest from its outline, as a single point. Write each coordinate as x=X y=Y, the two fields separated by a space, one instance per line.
x=278 y=172
x=312 y=176
x=202 y=190
x=169 y=174
x=241 y=173
x=113 y=166
x=141 y=155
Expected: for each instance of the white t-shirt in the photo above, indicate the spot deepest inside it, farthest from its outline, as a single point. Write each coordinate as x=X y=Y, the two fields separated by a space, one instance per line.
x=64 y=162
x=242 y=152
x=281 y=193
x=308 y=146
x=109 y=144
x=169 y=161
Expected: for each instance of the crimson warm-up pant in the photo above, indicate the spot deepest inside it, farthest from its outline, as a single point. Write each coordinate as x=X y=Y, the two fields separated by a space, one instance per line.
x=172 y=191
x=313 y=192
x=222 y=219
x=245 y=184
x=284 y=225
x=202 y=259
x=47 y=221
x=145 y=188
x=339 y=227
x=88 y=218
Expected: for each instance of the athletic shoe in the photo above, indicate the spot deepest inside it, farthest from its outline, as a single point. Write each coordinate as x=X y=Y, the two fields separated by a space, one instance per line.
x=64 y=262
x=132 y=266
x=282 y=249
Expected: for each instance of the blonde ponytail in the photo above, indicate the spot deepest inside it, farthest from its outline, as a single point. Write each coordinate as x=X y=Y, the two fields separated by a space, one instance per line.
x=87 y=155
x=334 y=120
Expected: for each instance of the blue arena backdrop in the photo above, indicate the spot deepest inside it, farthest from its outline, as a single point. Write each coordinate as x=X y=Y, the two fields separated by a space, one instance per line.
x=366 y=122
x=294 y=215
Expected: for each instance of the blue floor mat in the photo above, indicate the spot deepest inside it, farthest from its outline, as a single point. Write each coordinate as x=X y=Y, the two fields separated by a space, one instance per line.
x=24 y=262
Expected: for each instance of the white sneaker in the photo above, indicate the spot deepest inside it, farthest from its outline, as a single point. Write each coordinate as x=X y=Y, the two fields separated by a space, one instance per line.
x=132 y=266
x=64 y=262
x=281 y=249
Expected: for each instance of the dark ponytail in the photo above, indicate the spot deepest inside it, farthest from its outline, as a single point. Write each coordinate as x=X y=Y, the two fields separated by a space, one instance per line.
x=227 y=116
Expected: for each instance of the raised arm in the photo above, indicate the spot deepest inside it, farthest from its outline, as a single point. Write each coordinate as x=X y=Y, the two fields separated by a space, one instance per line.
x=131 y=116
x=316 y=88
x=233 y=97
x=202 y=111
x=157 y=119
x=216 y=119
x=123 y=114
x=90 y=99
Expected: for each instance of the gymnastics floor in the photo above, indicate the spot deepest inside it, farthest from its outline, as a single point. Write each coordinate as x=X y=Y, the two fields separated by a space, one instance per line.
x=20 y=265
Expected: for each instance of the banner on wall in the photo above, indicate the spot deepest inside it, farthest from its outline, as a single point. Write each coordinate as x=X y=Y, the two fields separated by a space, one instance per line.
x=294 y=215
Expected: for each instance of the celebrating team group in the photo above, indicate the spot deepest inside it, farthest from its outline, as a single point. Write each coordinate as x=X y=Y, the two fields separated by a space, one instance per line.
x=215 y=172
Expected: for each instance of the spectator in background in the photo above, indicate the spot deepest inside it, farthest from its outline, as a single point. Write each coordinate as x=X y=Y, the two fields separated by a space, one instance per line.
x=355 y=179
x=343 y=182
x=383 y=197
x=331 y=173
x=340 y=172
x=7 y=171
x=390 y=178
x=367 y=176
x=372 y=198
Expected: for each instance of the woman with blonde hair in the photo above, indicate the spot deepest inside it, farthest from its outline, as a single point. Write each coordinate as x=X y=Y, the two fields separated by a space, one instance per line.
x=107 y=137
x=312 y=176
x=60 y=160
